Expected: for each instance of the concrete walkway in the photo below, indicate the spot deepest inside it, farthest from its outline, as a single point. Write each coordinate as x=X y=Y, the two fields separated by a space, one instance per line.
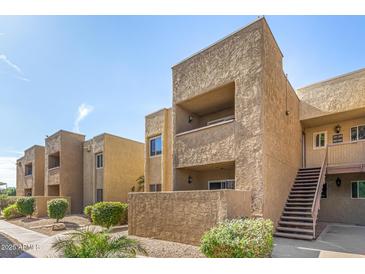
x=336 y=240
x=35 y=244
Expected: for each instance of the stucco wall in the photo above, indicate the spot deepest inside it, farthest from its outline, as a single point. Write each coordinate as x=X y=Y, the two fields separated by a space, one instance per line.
x=339 y=94
x=339 y=207
x=158 y=169
x=183 y=216
x=282 y=132
x=239 y=59
x=123 y=164
x=35 y=156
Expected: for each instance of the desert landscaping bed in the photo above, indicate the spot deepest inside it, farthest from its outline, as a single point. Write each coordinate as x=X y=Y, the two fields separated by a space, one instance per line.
x=44 y=225
x=9 y=247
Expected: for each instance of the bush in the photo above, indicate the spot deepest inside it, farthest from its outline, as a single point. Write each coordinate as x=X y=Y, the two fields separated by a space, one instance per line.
x=57 y=208
x=109 y=214
x=92 y=244
x=11 y=212
x=87 y=211
x=5 y=201
x=248 y=238
x=26 y=206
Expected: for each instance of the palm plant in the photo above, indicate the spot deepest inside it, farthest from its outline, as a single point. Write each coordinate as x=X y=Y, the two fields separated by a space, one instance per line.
x=97 y=244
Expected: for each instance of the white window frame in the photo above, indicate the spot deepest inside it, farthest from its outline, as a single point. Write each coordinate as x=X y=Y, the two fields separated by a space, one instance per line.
x=149 y=146
x=102 y=160
x=222 y=181
x=314 y=140
x=357 y=133
x=357 y=182
x=155 y=186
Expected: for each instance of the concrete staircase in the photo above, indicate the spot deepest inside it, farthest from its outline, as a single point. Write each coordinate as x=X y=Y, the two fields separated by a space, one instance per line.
x=296 y=220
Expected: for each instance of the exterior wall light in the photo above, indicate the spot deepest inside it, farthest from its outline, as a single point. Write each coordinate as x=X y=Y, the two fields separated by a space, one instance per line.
x=337 y=129
x=338 y=182
x=190 y=179
x=190 y=119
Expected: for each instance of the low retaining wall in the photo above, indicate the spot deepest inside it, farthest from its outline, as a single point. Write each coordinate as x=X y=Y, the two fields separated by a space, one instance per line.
x=41 y=204
x=183 y=216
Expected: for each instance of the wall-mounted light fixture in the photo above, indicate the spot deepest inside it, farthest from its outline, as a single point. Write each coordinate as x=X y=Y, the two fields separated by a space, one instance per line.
x=190 y=179
x=337 y=128
x=190 y=119
x=338 y=182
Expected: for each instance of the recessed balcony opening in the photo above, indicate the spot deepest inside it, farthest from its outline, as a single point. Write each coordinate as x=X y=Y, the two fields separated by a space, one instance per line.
x=28 y=169
x=206 y=177
x=211 y=108
x=28 y=192
x=54 y=160
x=54 y=190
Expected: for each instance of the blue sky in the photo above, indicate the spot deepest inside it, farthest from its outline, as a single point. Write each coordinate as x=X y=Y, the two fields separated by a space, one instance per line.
x=104 y=74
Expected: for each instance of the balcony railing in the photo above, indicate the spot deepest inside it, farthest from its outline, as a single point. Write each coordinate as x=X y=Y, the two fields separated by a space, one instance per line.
x=346 y=153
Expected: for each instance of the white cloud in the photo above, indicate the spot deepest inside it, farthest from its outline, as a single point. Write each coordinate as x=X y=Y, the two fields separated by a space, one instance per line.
x=83 y=111
x=13 y=67
x=8 y=170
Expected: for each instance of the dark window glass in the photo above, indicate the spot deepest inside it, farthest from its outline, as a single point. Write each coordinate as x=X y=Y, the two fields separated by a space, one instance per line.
x=54 y=160
x=361 y=189
x=99 y=195
x=354 y=190
x=354 y=134
x=99 y=160
x=361 y=130
x=324 y=191
x=28 y=169
x=155 y=146
x=155 y=188
x=215 y=185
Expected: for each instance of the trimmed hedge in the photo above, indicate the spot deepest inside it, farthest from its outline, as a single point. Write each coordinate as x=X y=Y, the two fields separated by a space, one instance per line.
x=57 y=208
x=87 y=211
x=109 y=214
x=11 y=212
x=26 y=206
x=247 y=238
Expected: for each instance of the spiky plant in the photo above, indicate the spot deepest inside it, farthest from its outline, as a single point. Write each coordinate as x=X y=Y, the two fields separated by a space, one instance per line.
x=140 y=183
x=89 y=243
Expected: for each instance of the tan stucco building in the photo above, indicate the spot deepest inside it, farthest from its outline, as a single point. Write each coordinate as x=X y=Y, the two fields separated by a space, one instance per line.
x=64 y=167
x=112 y=165
x=238 y=124
x=30 y=172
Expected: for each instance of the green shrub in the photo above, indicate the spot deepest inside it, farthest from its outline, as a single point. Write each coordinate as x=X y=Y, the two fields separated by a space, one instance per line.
x=109 y=214
x=26 y=206
x=92 y=244
x=11 y=212
x=87 y=211
x=6 y=200
x=57 y=208
x=248 y=238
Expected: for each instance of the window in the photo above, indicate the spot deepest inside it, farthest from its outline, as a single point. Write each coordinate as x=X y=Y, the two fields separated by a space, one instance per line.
x=54 y=160
x=155 y=188
x=99 y=160
x=324 y=191
x=99 y=195
x=319 y=140
x=358 y=133
x=155 y=146
x=28 y=169
x=221 y=184
x=358 y=190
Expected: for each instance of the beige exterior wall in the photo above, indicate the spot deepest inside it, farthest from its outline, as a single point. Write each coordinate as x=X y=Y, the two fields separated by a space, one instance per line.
x=123 y=164
x=183 y=216
x=282 y=133
x=35 y=182
x=339 y=207
x=349 y=153
x=339 y=94
x=68 y=177
x=158 y=169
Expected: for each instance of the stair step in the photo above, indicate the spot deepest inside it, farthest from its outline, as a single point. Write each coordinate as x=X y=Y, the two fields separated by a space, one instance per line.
x=300 y=200
x=301 y=195
x=293 y=236
x=306 y=180
x=294 y=204
x=292 y=229
x=301 y=187
x=309 y=173
x=302 y=191
x=296 y=224
x=297 y=213
x=297 y=218
x=298 y=208
x=309 y=168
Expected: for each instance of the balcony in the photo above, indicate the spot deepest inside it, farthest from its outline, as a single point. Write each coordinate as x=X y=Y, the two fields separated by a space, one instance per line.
x=54 y=176
x=206 y=145
x=346 y=157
